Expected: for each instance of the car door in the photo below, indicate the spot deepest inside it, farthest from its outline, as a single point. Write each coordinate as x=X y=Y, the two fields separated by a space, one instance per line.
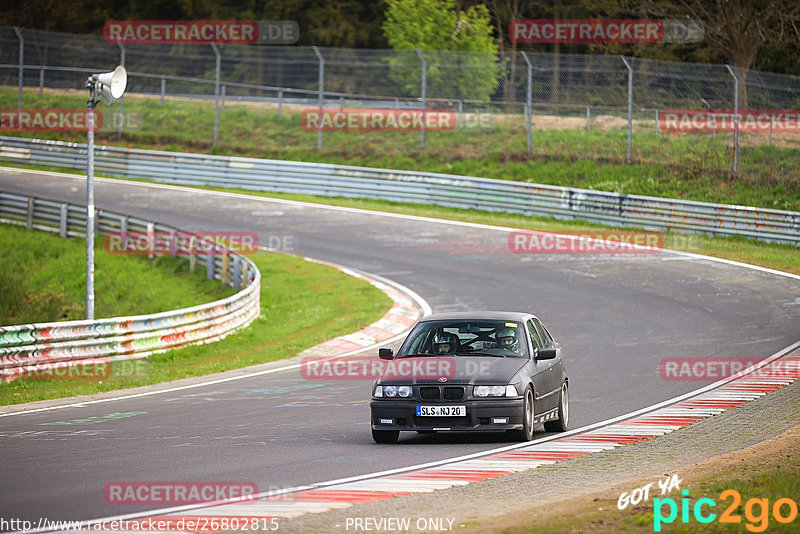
x=555 y=372
x=540 y=369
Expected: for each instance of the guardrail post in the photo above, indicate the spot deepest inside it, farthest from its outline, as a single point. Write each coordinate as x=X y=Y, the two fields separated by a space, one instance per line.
x=172 y=243
x=423 y=96
x=41 y=81
x=735 y=118
x=280 y=102
x=321 y=96
x=217 y=71
x=237 y=272
x=29 y=218
x=528 y=101
x=192 y=253
x=123 y=224
x=122 y=98
x=630 y=108
x=222 y=97
x=21 y=71
x=150 y=240
x=245 y=273
x=63 y=213
x=163 y=89
x=210 y=266
x=226 y=277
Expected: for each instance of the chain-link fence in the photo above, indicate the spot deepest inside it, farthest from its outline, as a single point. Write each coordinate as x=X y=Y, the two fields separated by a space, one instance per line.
x=527 y=90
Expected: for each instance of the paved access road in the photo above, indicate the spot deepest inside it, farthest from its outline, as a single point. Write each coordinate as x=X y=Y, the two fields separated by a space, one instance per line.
x=616 y=317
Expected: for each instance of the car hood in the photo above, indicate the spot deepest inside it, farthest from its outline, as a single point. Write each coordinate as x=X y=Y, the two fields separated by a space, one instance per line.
x=456 y=369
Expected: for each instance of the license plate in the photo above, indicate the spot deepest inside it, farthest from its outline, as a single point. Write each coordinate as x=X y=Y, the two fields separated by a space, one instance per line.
x=442 y=411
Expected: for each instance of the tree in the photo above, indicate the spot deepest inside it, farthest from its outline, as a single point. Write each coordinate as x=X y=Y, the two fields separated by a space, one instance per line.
x=737 y=29
x=441 y=30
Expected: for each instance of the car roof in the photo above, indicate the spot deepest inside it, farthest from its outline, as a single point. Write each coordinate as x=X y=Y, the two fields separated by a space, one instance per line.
x=479 y=316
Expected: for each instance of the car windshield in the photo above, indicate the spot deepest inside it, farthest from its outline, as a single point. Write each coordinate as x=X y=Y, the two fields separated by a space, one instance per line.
x=466 y=338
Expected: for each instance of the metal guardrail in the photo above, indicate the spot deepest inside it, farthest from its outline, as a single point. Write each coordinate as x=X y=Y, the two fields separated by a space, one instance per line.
x=33 y=348
x=651 y=213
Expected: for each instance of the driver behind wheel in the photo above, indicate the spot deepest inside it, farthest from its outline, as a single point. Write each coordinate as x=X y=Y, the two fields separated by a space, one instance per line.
x=507 y=339
x=444 y=343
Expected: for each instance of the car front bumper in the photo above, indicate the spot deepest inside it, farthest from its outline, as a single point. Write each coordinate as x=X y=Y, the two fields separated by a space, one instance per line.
x=401 y=415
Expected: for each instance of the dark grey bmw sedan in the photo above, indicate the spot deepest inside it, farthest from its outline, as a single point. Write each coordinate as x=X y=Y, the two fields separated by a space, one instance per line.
x=469 y=371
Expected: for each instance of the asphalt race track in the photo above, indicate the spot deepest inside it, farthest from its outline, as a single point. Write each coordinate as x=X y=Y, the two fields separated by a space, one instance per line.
x=616 y=316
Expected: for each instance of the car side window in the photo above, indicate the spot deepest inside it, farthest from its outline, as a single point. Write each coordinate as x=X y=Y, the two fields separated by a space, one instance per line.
x=535 y=339
x=547 y=339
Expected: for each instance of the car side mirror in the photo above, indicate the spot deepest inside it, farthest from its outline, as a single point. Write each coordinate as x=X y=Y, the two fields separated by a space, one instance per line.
x=386 y=354
x=546 y=353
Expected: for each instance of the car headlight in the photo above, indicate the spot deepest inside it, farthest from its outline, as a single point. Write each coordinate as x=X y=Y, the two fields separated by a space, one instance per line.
x=489 y=391
x=392 y=391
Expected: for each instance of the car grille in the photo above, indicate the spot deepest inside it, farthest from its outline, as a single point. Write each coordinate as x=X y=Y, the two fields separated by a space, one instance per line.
x=453 y=393
x=429 y=393
x=449 y=393
x=445 y=422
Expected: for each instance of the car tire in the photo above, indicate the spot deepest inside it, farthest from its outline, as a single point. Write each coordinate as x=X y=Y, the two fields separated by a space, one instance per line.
x=526 y=434
x=562 y=423
x=385 y=436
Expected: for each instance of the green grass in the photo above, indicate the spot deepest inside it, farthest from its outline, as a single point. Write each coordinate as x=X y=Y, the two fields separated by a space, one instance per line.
x=302 y=304
x=43 y=280
x=778 y=481
x=693 y=167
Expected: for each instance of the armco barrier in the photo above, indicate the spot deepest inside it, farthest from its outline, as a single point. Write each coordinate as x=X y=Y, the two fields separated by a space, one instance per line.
x=38 y=347
x=407 y=186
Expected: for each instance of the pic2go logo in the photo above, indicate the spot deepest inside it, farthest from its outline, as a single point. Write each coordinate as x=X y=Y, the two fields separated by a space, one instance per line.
x=756 y=511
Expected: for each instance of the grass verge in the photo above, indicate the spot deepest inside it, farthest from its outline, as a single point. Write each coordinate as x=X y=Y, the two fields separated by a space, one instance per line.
x=302 y=304
x=764 y=474
x=43 y=280
x=688 y=166
x=736 y=248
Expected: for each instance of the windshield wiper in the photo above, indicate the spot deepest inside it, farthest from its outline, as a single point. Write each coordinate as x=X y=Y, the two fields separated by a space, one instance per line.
x=478 y=353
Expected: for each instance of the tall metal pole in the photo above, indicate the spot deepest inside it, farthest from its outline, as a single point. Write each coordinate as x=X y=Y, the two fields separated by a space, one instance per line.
x=528 y=102
x=321 y=97
x=423 y=96
x=630 y=108
x=21 y=74
x=122 y=98
x=90 y=106
x=735 y=119
x=216 y=91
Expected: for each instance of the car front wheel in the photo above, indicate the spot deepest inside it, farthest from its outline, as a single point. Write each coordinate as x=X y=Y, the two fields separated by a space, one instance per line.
x=562 y=423
x=526 y=434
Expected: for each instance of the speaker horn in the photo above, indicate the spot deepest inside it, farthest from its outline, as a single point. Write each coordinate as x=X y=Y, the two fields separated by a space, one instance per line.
x=112 y=84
